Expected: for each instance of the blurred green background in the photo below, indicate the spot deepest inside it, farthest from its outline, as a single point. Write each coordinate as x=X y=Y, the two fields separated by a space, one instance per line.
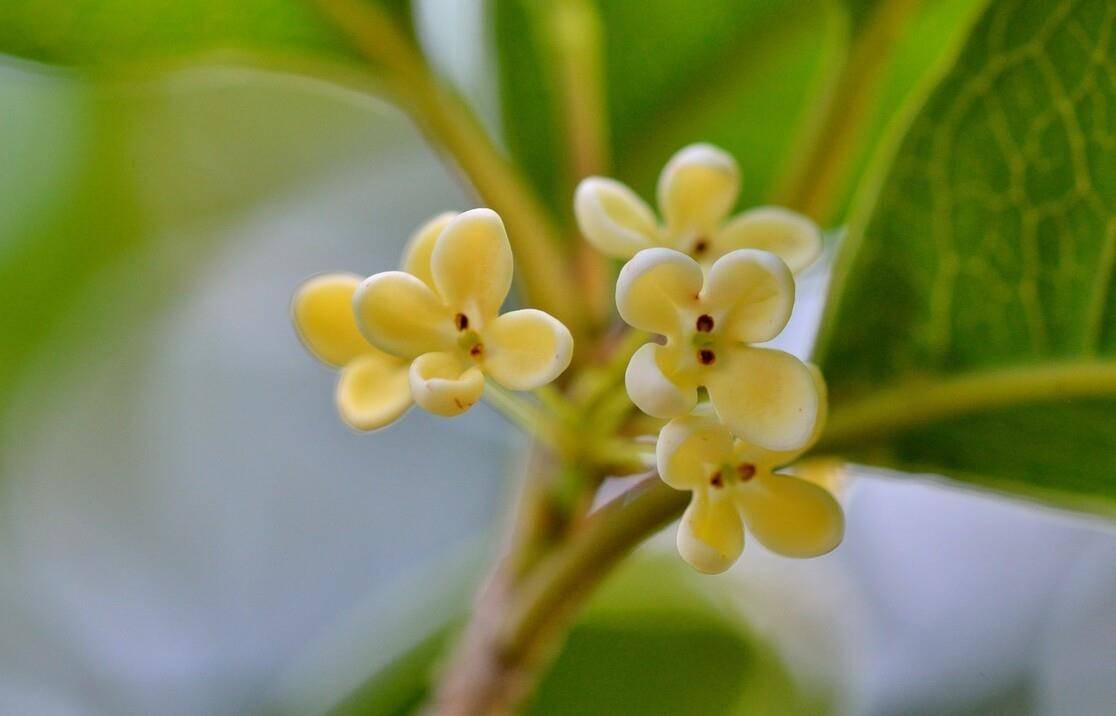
x=187 y=527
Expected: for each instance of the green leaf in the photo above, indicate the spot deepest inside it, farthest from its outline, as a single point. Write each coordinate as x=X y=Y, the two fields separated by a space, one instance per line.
x=100 y=33
x=654 y=640
x=740 y=74
x=924 y=36
x=971 y=328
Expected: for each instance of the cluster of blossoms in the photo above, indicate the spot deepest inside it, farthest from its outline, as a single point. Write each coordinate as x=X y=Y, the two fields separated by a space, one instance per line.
x=710 y=285
x=429 y=334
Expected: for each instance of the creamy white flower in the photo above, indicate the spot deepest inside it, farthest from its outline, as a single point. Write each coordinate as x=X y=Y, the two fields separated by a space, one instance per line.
x=734 y=484
x=697 y=189
x=765 y=396
x=442 y=316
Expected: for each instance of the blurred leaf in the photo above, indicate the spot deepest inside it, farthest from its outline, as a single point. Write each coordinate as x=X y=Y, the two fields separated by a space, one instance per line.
x=93 y=173
x=736 y=73
x=923 y=40
x=971 y=329
x=652 y=641
x=108 y=32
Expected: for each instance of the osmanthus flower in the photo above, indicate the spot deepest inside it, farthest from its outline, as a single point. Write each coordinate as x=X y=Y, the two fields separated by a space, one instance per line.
x=765 y=396
x=734 y=484
x=373 y=389
x=697 y=189
x=441 y=317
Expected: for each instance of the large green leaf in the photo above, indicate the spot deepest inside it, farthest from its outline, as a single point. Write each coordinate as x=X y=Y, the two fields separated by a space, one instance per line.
x=653 y=641
x=971 y=329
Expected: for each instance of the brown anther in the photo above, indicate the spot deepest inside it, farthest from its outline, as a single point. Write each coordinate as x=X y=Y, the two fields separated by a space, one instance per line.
x=707 y=357
x=700 y=247
x=476 y=350
x=716 y=480
x=746 y=471
x=461 y=321
x=705 y=323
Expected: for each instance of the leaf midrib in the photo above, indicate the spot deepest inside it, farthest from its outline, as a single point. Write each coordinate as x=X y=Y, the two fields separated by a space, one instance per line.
x=892 y=410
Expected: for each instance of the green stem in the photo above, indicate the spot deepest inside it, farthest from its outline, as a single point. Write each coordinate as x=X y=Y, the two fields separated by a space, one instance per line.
x=557 y=587
x=527 y=417
x=894 y=410
x=820 y=174
x=574 y=35
x=543 y=272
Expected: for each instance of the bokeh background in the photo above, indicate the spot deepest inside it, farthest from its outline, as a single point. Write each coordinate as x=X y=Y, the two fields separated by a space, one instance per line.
x=187 y=528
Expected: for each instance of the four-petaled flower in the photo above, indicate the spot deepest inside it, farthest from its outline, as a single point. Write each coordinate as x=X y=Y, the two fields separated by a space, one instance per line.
x=734 y=484
x=372 y=390
x=442 y=315
x=697 y=189
x=763 y=395
x=430 y=333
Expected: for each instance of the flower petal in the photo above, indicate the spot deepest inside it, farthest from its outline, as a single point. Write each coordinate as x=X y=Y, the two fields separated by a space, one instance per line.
x=443 y=384
x=691 y=448
x=765 y=397
x=373 y=390
x=400 y=314
x=613 y=218
x=416 y=257
x=772 y=459
x=790 y=236
x=710 y=535
x=322 y=311
x=472 y=264
x=526 y=349
x=789 y=516
x=655 y=286
x=659 y=393
x=753 y=291
x=697 y=189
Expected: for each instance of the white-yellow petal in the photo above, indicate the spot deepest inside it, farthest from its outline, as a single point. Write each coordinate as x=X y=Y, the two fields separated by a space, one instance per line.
x=322 y=310
x=697 y=190
x=655 y=387
x=401 y=315
x=373 y=390
x=790 y=236
x=444 y=385
x=753 y=292
x=472 y=264
x=613 y=218
x=691 y=448
x=655 y=287
x=765 y=397
x=416 y=256
x=789 y=516
x=710 y=535
x=526 y=349
x=773 y=459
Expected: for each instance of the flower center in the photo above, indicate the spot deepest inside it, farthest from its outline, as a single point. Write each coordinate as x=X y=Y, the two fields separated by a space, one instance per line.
x=701 y=245
x=741 y=473
x=469 y=340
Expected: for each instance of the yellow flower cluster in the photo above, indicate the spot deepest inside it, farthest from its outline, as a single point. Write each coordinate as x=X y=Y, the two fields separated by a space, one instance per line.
x=712 y=287
x=431 y=333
